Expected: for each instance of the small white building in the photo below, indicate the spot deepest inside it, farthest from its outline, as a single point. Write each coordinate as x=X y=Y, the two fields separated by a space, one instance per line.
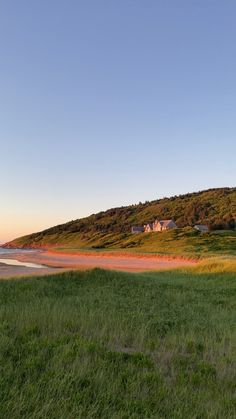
x=163 y=225
x=148 y=228
x=202 y=228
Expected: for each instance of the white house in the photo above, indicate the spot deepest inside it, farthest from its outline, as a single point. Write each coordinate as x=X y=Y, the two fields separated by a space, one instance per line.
x=164 y=225
x=148 y=228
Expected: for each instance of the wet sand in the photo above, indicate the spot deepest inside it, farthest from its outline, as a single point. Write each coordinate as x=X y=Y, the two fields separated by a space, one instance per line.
x=56 y=262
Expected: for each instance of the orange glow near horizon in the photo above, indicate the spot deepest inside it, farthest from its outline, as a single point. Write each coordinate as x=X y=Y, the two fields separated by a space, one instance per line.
x=20 y=225
x=10 y=231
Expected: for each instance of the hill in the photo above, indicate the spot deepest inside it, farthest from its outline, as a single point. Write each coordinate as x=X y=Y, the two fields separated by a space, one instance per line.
x=111 y=229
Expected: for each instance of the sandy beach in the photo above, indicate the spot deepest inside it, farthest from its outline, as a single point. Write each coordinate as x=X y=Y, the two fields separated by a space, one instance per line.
x=56 y=262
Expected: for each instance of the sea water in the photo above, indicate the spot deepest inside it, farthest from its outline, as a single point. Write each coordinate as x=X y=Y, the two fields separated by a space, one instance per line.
x=15 y=262
x=11 y=251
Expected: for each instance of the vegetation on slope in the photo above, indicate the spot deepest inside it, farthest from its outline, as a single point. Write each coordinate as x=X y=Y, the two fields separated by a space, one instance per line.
x=102 y=344
x=111 y=229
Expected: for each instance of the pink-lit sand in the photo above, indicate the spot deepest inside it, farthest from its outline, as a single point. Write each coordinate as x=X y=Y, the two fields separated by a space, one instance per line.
x=57 y=262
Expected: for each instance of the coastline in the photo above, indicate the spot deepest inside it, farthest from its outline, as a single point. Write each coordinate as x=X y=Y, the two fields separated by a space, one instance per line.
x=54 y=250
x=57 y=261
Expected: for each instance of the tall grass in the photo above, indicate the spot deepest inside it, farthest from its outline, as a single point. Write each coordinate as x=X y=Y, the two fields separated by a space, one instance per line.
x=103 y=344
x=215 y=265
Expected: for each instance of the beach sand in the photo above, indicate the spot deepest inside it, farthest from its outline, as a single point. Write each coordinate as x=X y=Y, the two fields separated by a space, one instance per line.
x=57 y=262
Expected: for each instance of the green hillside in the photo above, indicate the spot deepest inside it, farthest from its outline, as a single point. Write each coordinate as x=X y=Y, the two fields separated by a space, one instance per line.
x=111 y=229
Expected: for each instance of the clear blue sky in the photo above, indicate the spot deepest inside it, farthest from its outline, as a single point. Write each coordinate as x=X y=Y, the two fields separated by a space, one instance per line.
x=111 y=102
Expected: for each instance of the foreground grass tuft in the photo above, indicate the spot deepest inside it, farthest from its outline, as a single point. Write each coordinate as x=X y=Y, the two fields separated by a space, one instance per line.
x=102 y=344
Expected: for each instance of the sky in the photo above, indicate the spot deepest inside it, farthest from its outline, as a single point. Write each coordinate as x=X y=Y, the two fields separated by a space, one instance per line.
x=111 y=102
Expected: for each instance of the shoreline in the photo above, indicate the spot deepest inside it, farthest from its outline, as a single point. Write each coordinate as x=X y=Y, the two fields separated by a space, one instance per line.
x=53 y=250
x=60 y=261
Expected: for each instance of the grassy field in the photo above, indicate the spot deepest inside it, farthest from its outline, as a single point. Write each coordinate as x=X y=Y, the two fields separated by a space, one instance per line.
x=185 y=242
x=103 y=344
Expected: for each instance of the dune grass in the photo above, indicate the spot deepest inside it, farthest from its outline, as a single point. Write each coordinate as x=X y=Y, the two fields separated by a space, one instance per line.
x=215 y=265
x=103 y=344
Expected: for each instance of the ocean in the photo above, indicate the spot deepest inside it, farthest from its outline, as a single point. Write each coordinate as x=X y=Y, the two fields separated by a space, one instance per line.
x=12 y=251
x=15 y=262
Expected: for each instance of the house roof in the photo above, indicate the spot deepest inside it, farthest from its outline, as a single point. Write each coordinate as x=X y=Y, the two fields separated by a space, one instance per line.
x=201 y=226
x=165 y=223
